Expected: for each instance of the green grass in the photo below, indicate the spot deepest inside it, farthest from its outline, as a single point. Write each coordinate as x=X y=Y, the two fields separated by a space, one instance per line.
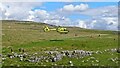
x=32 y=38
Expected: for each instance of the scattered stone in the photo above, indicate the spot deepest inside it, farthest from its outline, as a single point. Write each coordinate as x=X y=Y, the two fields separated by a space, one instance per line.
x=55 y=64
x=3 y=59
x=92 y=58
x=97 y=61
x=0 y=55
x=46 y=61
x=70 y=62
x=11 y=57
x=53 y=56
x=83 y=61
x=21 y=58
x=114 y=50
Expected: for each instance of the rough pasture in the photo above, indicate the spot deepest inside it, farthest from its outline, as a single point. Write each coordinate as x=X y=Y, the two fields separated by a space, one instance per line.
x=25 y=43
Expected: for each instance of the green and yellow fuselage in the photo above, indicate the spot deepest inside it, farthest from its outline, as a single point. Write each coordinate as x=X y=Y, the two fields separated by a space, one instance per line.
x=59 y=29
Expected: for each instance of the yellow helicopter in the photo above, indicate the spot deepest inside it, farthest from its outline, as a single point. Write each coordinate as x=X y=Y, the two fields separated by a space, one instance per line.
x=59 y=29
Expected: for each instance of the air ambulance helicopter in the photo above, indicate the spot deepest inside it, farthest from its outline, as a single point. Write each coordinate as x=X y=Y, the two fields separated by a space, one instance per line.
x=59 y=29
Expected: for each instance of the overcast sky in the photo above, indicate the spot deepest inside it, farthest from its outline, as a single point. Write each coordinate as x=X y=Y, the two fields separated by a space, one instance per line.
x=91 y=15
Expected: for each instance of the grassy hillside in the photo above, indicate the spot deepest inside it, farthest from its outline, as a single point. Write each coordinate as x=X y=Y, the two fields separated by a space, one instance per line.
x=30 y=37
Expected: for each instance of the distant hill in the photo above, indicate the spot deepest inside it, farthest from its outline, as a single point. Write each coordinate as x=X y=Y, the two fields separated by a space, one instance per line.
x=41 y=23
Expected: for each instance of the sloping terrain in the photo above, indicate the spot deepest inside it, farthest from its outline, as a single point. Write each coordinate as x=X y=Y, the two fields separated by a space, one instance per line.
x=25 y=43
